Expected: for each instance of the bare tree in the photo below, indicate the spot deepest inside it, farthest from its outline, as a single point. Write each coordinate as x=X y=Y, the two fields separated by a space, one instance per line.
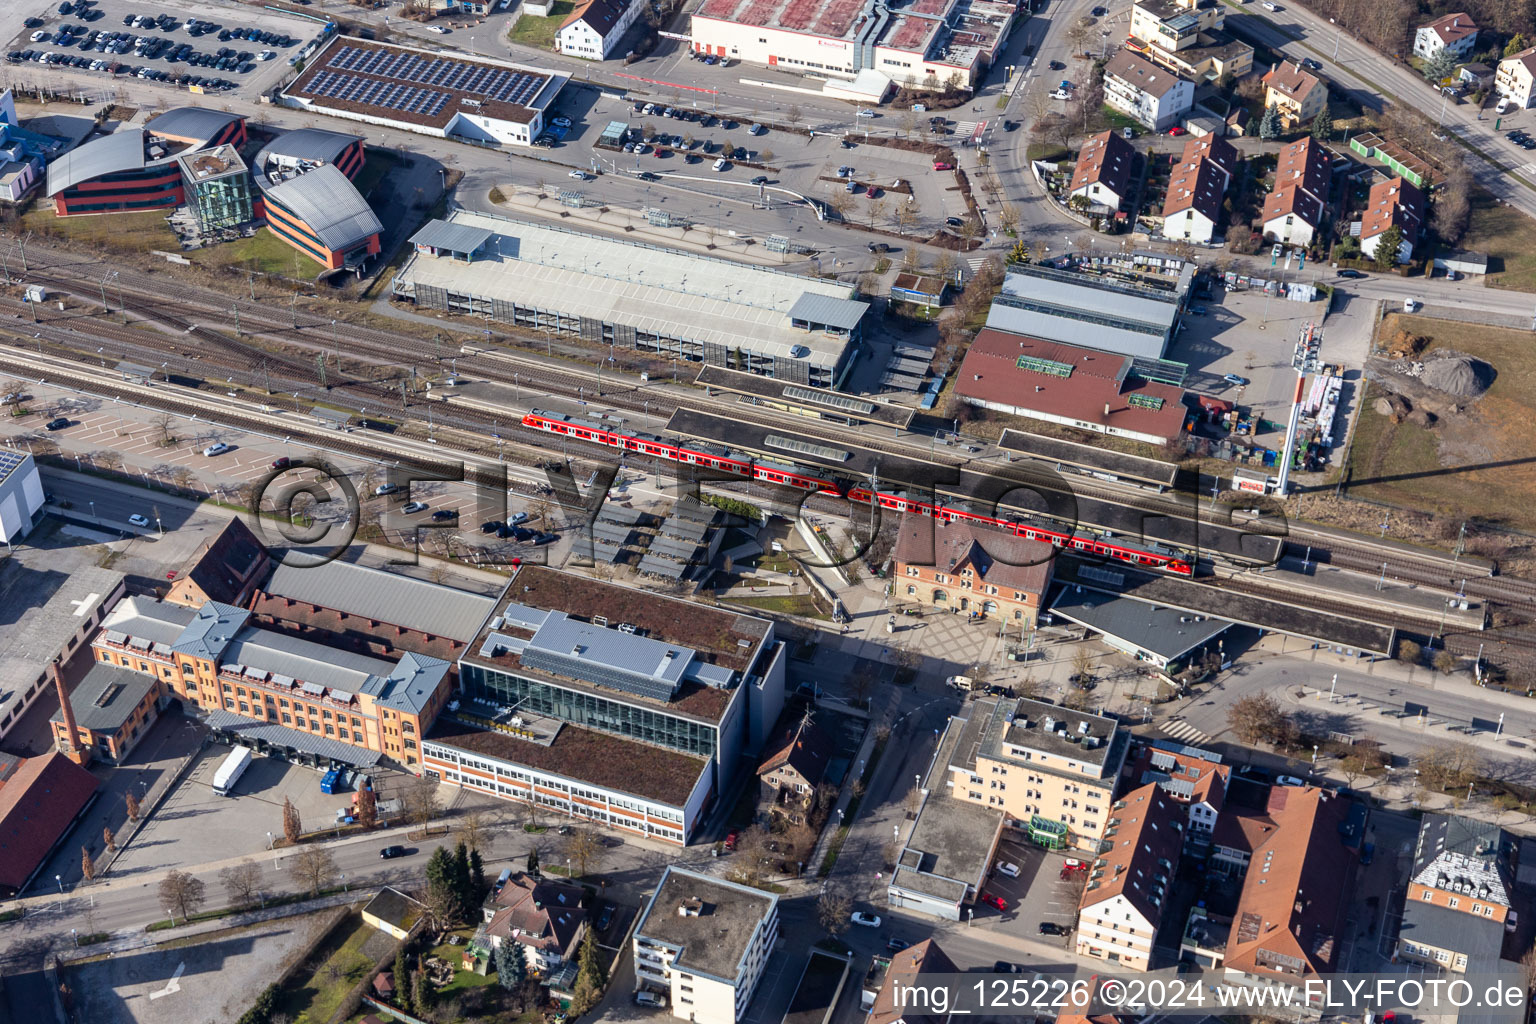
x=181 y=893
x=421 y=801
x=876 y=211
x=906 y=216
x=794 y=115
x=367 y=807
x=583 y=849
x=832 y=912
x=473 y=831
x=165 y=423
x=108 y=838
x=1258 y=718
x=315 y=868
x=241 y=882
x=87 y=865
x=132 y=803
x=293 y=826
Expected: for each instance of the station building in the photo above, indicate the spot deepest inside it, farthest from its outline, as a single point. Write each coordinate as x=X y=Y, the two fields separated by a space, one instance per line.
x=607 y=703
x=802 y=330
x=451 y=95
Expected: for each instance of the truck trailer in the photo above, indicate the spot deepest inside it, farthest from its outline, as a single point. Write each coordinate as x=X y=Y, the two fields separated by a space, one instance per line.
x=230 y=771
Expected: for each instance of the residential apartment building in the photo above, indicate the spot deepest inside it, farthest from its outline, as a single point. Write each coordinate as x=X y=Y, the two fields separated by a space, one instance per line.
x=1154 y=96
x=609 y=703
x=1456 y=33
x=542 y=917
x=595 y=27
x=981 y=572
x=1392 y=204
x=1187 y=36
x=1193 y=777
x=1296 y=208
x=1129 y=882
x=704 y=942
x=1105 y=171
x=793 y=767
x=1461 y=893
x=226 y=568
x=1515 y=79
x=291 y=696
x=906 y=972
x=1051 y=771
x=1192 y=208
x=1298 y=94
x=1289 y=922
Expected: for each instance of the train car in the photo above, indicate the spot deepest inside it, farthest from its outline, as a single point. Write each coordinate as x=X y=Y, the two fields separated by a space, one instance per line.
x=811 y=480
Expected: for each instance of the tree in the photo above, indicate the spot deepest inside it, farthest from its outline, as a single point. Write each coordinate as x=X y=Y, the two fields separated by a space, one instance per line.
x=315 y=868
x=945 y=264
x=421 y=801
x=511 y=966
x=463 y=881
x=132 y=803
x=591 y=974
x=1389 y=245
x=87 y=865
x=1445 y=662
x=1450 y=765
x=293 y=827
x=108 y=838
x=1079 y=203
x=1082 y=665
x=532 y=863
x=1515 y=45
x=832 y=913
x=402 y=981
x=876 y=210
x=1269 y=126
x=765 y=157
x=751 y=853
x=1440 y=66
x=180 y=893
x=443 y=895
x=583 y=849
x=1409 y=652
x=367 y=807
x=1258 y=718
x=906 y=215
x=794 y=115
x=1322 y=125
x=164 y=423
x=242 y=882
x=473 y=832
x=477 y=876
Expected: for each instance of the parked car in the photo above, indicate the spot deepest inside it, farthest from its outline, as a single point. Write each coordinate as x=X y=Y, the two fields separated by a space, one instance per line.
x=943 y=165
x=865 y=920
x=1351 y=273
x=994 y=901
x=1057 y=65
x=391 y=852
x=1052 y=928
x=871 y=192
x=761 y=179
x=383 y=489
x=1288 y=780
x=138 y=520
x=578 y=175
x=1004 y=967
x=1007 y=868
x=878 y=247
x=867 y=113
x=517 y=517
x=1312 y=62
x=217 y=448
x=897 y=945
x=444 y=514
x=282 y=463
x=731 y=839
x=954 y=222
x=645 y=997
x=412 y=507
x=1235 y=380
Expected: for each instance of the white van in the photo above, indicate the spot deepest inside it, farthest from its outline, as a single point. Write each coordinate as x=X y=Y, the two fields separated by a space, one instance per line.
x=1270 y=5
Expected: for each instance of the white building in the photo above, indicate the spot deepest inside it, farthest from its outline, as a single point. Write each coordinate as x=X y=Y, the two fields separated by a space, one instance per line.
x=1516 y=77
x=450 y=95
x=1193 y=206
x=704 y=942
x=1131 y=880
x=1154 y=96
x=595 y=28
x=1295 y=210
x=1104 y=172
x=928 y=44
x=1454 y=32
x=1393 y=203
x=21 y=494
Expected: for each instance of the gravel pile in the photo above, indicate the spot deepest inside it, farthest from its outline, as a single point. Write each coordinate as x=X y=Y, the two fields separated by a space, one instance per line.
x=1458 y=375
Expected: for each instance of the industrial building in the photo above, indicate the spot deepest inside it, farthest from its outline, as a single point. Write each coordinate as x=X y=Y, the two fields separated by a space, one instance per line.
x=1090 y=310
x=21 y=494
x=320 y=214
x=138 y=168
x=923 y=44
x=435 y=93
x=41 y=798
x=631 y=295
x=613 y=704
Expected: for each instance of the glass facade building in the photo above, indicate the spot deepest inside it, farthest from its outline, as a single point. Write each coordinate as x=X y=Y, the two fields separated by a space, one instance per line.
x=219 y=189
x=590 y=710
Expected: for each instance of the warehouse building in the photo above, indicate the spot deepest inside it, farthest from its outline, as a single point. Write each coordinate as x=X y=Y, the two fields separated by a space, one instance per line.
x=138 y=168
x=614 y=704
x=630 y=295
x=923 y=44
x=427 y=91
x=21 y=494
x=1091 y=310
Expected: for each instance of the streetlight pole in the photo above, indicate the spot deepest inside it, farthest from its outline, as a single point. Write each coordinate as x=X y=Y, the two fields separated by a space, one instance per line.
x=60 y=879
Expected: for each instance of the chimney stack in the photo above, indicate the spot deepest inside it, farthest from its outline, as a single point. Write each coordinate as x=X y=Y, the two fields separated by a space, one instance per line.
x=71 y=747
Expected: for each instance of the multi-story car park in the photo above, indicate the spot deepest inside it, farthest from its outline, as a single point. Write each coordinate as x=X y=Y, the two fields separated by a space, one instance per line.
x=434 y=93
x=612 y=704
x=924 y=43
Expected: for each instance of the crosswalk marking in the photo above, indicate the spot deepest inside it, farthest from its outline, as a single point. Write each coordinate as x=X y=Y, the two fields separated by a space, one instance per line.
x=975 y=263
x=1186 y=733
x=963 y=129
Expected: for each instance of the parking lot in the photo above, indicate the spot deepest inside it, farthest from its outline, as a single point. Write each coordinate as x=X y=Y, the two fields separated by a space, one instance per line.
x=193 y=821
x=184 y=46
x=212 y=981
x=684 y=149
x=1038 y=895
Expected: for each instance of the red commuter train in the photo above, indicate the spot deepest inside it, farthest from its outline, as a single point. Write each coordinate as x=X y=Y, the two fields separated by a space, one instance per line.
x=719 y=458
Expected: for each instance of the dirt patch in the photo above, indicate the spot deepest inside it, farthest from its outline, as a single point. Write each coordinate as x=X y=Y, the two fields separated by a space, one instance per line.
x=1457 y=375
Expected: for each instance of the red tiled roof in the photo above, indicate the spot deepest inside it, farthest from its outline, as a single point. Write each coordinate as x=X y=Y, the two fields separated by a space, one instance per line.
x=1107 y=159
x=1526 y=57
x=1294 y=200
x=37 y=804
x=544 y=913
x=1290 y=80
x=225 y=567
x=1453 y=27
x=1303 y=175
x=1149 y=832
x=906 y=967
x=990 y=373
x=1207 y=778
x=1290 y=915
x=1393 y=202
x=1197 y=185
x=347 y=632
x=805 y=748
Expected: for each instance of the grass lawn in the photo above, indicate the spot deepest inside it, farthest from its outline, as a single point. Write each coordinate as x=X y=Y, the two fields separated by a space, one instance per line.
x=1116 y=120
x=314 y=995
x=788 y=604
x=1401 y=463
x=540 y=32
x=263 y=251
x=454 y=955
x=1508 y=238
x=139 y=232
